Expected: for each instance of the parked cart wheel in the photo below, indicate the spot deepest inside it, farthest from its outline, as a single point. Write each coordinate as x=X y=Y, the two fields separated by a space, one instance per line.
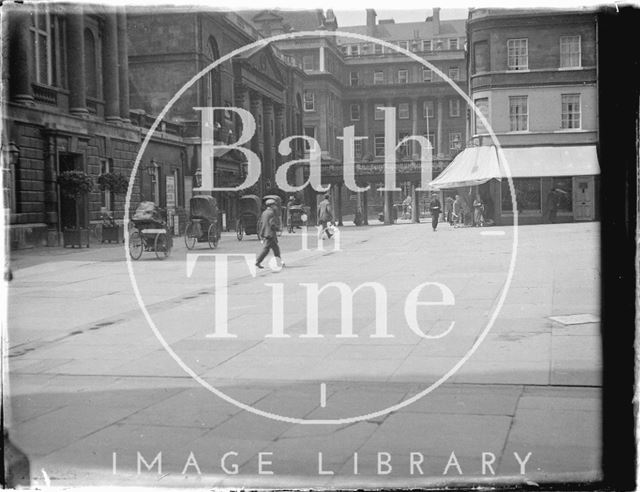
x=136 y=244
x=191 y=235
x=162 y=246
x=212 y=236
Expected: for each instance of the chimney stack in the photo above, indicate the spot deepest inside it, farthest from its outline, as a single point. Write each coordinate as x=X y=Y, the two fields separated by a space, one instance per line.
x=371 y=22
x=436 y=20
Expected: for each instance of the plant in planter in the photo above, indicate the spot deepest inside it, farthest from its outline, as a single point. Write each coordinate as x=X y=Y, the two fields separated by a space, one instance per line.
x=117 y=184
x=75 y=185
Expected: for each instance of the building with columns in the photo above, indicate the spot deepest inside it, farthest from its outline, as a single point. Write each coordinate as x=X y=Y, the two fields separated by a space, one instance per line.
x=348 y=80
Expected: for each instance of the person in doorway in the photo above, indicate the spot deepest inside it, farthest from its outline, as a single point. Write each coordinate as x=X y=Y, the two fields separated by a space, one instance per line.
x=435 y=209
x=325 y=216
x=478 y=211
x=448 y=210
x=268 y=233
x=553 y=201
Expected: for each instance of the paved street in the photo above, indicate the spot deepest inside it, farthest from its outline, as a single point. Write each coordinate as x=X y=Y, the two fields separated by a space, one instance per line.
x=92 y=389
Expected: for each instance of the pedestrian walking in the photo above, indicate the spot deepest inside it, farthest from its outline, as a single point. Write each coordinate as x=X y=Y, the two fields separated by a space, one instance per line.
x=448 y=210
x=478 y=210
x=325 y=216
x=458 y=212
x=434 y=208
x=553 y=200
x=268 y=233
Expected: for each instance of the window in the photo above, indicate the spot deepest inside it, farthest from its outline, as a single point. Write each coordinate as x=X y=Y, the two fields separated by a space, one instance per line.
x=454 y=73
x=455 y=141
x=518 y=54
x=403 y=111
x=427 y=109
x=426 y=45
x=483 y=106
x=309 y=131
x=519 y=113
x=355 y=112
x=354 y=79
x=379 y=113
x=404 y=45
x=357 y=147
x=307 y=62
x=570 y=52
x=454 y=108
x=378 y=77
x=377 y=49
x=309 y=101
x=481 y=56
x=344 y=49
x=405 y=148
x=90 y=64
x=354 y=50
x=439 y=45
x=527 y=194
x=426 y=75
x=47 y=32
x=570 y=111
x=453 y=43
x=403 y=76
x=106 y=200
x=379 y=145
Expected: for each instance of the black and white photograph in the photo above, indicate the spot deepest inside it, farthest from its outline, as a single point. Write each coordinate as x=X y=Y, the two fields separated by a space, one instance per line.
x=324 y=247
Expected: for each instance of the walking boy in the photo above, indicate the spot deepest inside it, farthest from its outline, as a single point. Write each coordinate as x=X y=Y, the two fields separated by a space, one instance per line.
x=268 y=231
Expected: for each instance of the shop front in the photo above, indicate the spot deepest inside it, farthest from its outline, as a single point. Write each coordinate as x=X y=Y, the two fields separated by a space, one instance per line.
x=551 y=184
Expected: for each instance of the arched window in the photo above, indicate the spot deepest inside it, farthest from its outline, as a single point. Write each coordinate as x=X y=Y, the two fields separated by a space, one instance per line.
x=213 y=77
x=90 y=64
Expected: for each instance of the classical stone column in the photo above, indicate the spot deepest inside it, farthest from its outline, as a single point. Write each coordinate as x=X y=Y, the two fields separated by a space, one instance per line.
x=75 y=55
x=123 y=64
x=322 y=65
x=339 y=206
x=439 y=129
x=257 y=142
x=268 y=120
x=20 y=59
x=111 y=74
x=365 y=207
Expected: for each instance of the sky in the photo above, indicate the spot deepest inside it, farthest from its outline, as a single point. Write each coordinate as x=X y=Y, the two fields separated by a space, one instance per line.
x=358 y=17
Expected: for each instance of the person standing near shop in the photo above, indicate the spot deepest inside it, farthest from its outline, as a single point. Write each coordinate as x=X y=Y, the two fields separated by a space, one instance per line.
x=268 y=233
x=478 y=208
x=435 y=208
x=458 y=211
x=448 y=210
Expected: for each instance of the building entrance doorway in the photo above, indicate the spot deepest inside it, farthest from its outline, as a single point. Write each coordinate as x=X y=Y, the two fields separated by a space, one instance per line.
x=583 y=197
x=68 y=206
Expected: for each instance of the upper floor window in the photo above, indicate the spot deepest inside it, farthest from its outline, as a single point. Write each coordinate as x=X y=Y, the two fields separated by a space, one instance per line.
x=570 y=52
x=91 y=63
x=439 y=44
x=48 y=48
x=519 y=113
x=403 y=76
x=309 y=101
x=379 y=113
x=405 y=147
x=454 y=108
x=378 y=77
x=377 y=49
x=483 y=106
x=404 y=45
x=354 y=50
x=453 y=43
x=403 y=111
x=426 y=45
x=426 y=75
x=481 y=56
x=354 y=79
x=455 y=141
x=570 y=111
x=357 y=147
x=454 y=73
x=379 y=145
x=355 y=112
x=427 y=109
x=307 y=62
x=518 y=54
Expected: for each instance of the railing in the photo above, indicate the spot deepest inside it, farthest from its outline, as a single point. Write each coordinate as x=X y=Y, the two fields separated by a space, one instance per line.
x=46 y=95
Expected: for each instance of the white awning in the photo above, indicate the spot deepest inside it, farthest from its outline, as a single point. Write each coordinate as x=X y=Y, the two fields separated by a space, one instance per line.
x=472 y=166
x=477 y=165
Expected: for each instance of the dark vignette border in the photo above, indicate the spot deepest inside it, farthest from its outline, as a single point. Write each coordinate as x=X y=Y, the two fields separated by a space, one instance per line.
x=618 y=108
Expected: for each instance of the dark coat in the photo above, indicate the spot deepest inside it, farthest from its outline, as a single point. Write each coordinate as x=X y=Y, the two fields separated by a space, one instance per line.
x=435 y=206
x=268 y=225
